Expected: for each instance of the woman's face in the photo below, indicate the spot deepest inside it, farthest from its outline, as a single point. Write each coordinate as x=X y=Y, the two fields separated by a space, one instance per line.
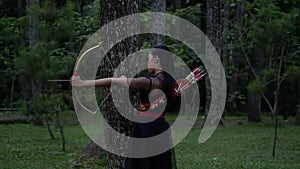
x=152 y=63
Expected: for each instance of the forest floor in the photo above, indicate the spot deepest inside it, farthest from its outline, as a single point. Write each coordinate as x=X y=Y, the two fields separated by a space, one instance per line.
x=244 y=145
x=69 y=117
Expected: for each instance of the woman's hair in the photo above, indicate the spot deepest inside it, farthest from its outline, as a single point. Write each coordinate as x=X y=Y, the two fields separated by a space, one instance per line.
x=165 y=56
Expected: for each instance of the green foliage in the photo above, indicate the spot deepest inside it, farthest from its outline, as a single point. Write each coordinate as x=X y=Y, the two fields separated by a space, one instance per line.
x=256 y=86
x=61 y=33
x=269 y=27
x=10 y=42
x=145 y=5
x=32 y=65
x=297 y=121
x=10 y=32
x=191 y=13
x=262 y=83
x=47 y=104
x=236 y=98
x=269 y=33
x=293 y=70
x=185 y=53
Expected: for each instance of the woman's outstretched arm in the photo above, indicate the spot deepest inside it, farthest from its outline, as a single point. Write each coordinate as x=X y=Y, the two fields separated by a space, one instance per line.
x=122 y=81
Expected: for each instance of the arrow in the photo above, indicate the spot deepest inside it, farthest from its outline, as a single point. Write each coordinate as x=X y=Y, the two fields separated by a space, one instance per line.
x=59 y=80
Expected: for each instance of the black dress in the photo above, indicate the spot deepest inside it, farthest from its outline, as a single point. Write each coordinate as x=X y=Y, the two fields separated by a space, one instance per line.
x=164 y=160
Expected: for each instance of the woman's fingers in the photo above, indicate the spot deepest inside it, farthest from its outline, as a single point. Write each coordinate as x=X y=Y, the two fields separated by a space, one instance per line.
x=76 y=81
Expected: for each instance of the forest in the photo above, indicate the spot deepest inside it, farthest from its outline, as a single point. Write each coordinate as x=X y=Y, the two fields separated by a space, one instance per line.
x=258 y=42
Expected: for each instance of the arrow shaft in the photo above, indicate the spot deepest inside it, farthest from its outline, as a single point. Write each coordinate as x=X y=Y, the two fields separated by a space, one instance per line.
x=59 y=80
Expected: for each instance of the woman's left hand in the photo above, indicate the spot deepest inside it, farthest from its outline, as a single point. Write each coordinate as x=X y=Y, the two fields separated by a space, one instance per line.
x=76 y=81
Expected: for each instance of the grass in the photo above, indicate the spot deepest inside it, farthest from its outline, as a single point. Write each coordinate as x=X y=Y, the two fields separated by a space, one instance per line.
x=28 y=146
x=240 y=146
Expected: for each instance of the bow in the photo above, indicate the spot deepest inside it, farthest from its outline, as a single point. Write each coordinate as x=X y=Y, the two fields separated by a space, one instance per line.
x=76 y=74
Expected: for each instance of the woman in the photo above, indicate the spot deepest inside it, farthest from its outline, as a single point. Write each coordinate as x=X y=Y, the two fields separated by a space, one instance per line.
x=159 y=60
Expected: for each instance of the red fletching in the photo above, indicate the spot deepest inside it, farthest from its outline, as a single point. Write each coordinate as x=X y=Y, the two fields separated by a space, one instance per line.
x=196 y=70
x=144 y=106
x=174 y=91
x=181 y=86
x=198 y=76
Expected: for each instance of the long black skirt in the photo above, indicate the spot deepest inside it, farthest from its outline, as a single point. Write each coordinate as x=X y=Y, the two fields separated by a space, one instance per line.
x=165 y=160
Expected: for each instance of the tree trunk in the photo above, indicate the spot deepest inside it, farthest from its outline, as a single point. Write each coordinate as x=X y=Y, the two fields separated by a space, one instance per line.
x=33 y=88
x=12 y=89
x=33 y=34
x=61 y=128
x=297 y=121
x=225 y=35
x=254 y=100
x=236 y=55
x=158 y=23
x=213 y=32
x=275 y=136
x=109 y=11
x=254 y=107
x=176 y=5
x=226 y=42
x=238 y=20
x=214 y=28
x=20 y=8
x=92 y=151
x=49 y=128
x=178 y=30
x=297 y=117
x=80 y=5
